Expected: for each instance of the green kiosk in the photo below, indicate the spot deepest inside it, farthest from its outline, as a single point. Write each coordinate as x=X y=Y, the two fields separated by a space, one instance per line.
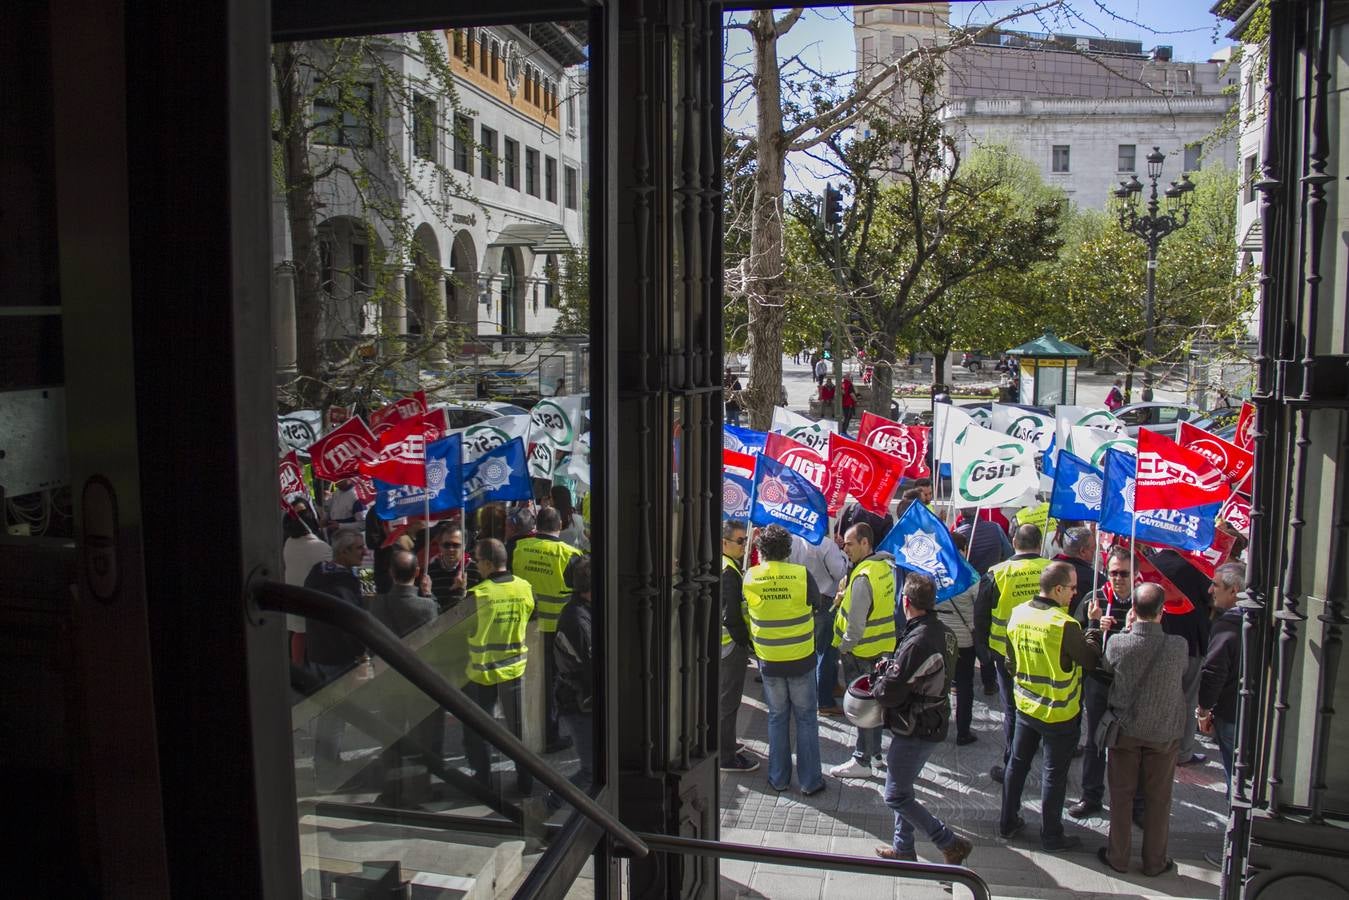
x=1048 y=367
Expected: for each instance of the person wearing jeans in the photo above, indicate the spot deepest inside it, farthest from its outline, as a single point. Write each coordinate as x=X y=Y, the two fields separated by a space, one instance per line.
x=957 y=614
x=792 y=698
x=1217 y=700
x=827 y=567
x=575 y=686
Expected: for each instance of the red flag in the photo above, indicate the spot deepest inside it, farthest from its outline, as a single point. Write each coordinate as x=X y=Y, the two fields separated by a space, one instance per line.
x=1234 y=462
x=907 y=443
x=1237 y=513
x=1245 y=436
x=809 y=464
x=290 y=477
x=340 y=452
x=402 y=454
x=739 y=463
x=1172 y=477
x=1176 y=603
x=398 y=411
x=872 y=476
x=1209 y=559
x=365 y=489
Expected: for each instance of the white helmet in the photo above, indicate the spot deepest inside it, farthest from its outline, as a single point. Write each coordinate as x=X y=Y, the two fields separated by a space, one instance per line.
x=860 y=707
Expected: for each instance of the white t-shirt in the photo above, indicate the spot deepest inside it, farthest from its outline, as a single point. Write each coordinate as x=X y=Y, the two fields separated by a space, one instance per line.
x=342 y=505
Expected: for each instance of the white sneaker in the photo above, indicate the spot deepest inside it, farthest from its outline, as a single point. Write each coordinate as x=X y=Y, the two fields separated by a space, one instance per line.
x=878 y=767
x=851 y=769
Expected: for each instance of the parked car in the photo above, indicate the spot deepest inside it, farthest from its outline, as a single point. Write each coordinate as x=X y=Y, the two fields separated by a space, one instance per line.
x=1218 y=418
x=463 y=413
x=1163 y=418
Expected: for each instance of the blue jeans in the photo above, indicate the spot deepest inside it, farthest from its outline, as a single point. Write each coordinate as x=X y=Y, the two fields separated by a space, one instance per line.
x=790 y=698
x=905 y=761
x=826 y=659
x=580 y=727
x=1060 y=740
x=868 y=739
x=1225 y=733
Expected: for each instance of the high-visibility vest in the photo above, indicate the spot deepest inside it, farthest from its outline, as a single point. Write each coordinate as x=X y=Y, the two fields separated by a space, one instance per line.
x=1041 y=687
x=726 y=639
x=542 y=563
x=1037 y=516
x=496 y=649
x=1018 y=581
x=879 y=636
x=781 y=623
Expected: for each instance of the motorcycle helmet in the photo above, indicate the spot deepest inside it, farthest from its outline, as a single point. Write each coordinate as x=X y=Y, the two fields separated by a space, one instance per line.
x=860 y=707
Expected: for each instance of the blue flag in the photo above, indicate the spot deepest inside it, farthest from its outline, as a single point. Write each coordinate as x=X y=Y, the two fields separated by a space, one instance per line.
x=501 y=473
x=1047 y=458
x=735 y=491
x=444 y=484
x=1187 y=529
x=743 y=440
x=1077 y=490
x=919 y=541
x=782 y=497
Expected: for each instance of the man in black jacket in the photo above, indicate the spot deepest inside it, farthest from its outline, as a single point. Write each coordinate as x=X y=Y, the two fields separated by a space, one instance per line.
x=1188 y=617
x=1222 y=664
x=575 y=687
x=915 y=691
x=735 y=644
x=1078 y=546
x=331 y=651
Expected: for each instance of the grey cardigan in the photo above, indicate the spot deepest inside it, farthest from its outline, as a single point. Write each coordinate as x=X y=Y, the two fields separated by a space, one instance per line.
x=1147 y=694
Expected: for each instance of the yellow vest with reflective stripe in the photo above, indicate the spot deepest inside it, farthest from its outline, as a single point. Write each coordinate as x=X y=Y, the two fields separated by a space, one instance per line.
x=728 y=563
x=781 y=623
x=542 y=563
x=1041 y=687
x=1018 y=581
x=879 y=636
x=1037 y=516
x=496 y=649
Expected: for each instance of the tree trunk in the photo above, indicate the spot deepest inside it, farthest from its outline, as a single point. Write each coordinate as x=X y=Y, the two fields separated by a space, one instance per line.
x=882 y=361
x=301 y=214
x=939 y=368
x=765 y=285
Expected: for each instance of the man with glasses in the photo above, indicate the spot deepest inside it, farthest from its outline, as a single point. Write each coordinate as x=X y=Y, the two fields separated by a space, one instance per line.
x=452 y=571
x=735 y=646
x=1114 y=600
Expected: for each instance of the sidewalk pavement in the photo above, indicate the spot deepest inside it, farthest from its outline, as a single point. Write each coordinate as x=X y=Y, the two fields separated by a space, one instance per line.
x=850 y=816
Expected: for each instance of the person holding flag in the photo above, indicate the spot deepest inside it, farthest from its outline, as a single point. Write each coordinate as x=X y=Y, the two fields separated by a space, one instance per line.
x=735 y=647
x=864 y=631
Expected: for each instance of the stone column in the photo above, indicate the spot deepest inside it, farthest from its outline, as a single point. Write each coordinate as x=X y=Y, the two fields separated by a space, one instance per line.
x=435 y=310
x=283 y=317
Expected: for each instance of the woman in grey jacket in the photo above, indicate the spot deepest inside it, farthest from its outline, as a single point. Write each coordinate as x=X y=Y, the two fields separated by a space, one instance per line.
x=1148 y=698
x=957 y=614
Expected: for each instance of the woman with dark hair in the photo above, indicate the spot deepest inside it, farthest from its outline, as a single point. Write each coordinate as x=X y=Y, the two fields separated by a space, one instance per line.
x=573 y=527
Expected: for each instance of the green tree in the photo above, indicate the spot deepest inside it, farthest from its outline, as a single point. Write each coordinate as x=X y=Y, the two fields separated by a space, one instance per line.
x=574 y=295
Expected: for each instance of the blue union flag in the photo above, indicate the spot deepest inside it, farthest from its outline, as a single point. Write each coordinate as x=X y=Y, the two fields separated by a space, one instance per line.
x=1189 y=529
x=780 y=496
x=444 y=489
x=920 y=542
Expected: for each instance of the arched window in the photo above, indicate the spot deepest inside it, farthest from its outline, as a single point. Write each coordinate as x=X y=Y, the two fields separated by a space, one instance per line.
x=509 y=276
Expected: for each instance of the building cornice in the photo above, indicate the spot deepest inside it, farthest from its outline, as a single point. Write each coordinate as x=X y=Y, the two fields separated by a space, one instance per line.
x=975 y=107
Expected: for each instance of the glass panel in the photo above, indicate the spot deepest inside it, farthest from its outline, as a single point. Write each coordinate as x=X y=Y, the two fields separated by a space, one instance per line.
x=434 y=371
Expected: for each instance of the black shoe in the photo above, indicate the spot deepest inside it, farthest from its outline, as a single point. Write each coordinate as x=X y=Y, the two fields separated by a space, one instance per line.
x=1008 y=833
x=740 y=763
x=1062 y=844
x=813 y=791
x=997 y=773
x=990 y=690
x=1084 y=809
x=558 y=745
x=1194 y=760
x=1103 y=855
x=964 y=740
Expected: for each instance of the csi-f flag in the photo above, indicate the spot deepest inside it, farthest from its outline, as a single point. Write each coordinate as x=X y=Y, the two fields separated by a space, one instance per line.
x=1089 y=444
x=443 y=490
x=499 y=474
x=493 y=433
x=780 y=496
x=948 y=423
x=989 y=469
x=919 y=541
x=1031 y=427
x=814 y=435
x=1077 y=490
x=735 y=491
x=1190 y=529
x=556 y=422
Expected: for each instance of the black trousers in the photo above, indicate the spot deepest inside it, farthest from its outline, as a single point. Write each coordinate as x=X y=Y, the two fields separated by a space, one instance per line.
x=478 y=751
x=552 y=731
x=964 y=685
x=730 y=693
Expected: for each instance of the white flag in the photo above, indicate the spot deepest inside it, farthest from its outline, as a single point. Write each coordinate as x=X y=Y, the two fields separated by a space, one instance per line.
x=1090 y=444
x=1067 y=417
x=485 y=436
x=990 y=469
x=1034 y=428
x=556 y=422
x=947 y=424
x=814 y=435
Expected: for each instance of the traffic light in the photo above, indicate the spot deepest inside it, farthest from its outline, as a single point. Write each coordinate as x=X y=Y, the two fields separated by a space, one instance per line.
x=833 y=206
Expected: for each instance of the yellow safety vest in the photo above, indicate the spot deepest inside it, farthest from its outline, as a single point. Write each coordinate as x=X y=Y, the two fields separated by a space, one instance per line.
x=1037 y=516
x=1017 y=580
x=879 y=636
x=496 y=649
x=585 y=509
x=781 y=624
x=542 y=562
x=728 y=563
x=1042 y=688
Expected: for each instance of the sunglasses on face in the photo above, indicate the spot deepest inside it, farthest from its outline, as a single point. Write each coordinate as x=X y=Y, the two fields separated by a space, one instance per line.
x=1119 y=574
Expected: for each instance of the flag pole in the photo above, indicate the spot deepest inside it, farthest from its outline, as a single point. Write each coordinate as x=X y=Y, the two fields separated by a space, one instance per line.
x=974 y=527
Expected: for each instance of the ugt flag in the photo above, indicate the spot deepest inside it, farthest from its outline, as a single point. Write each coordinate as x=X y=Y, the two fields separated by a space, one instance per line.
x=290 y=478
x=1077 y=490
x=1172 y=477
x=780 y=496
x=811 y=465
x=920 y=541
x=1228 y=458
x=339 y=453
x=443 y=489
x=1245 y=436
x=742 y=440
x=735 y=491
x=871 y=476
x=402 y=453
x=1188 y=530
x=989 y=469
x=499 y=474
x=398 y=411
x=906 y=443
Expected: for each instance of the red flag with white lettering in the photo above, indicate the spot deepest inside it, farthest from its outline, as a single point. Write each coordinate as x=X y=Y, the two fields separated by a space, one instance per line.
x=1208 y=560
x=739 y=463
x=1245 y=436
x=340 y=452
x=402 y=454
x=1172 y=477
x=290 y=478
x=871 y=475
x=1176 y=602
x=809 y=464
x=907 y=443
x=1237 y=513
x=398 y=411
x=1234 y=462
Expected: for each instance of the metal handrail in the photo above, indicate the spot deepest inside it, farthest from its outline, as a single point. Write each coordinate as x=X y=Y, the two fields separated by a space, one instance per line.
x=812 y=859
x=311 y=604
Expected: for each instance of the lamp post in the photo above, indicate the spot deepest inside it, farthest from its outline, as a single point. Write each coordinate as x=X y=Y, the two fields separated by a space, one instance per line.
x=1152 y=226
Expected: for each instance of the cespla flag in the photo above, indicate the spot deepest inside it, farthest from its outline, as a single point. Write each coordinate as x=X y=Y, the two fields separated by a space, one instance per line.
x=1172 y=477
x=989 y=469
x=556 y=422
x=398 y=411
x=441 y=490
x=340 y=452
x=742 y=440
x=1031 y=427
x=906 y=443
x=741 y=464
x=493 y=433
x=814 y=435
x=920 y=541
x=402 y=453
x=1077 y=490
x=735 y=491
x=779 y=496
x=1188 y=530
x=871 y=476
x=948 y=423
x=1090 y=444
x=1228 y=458
x=1245 y=436
x=810 y=465
x=499 y=474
